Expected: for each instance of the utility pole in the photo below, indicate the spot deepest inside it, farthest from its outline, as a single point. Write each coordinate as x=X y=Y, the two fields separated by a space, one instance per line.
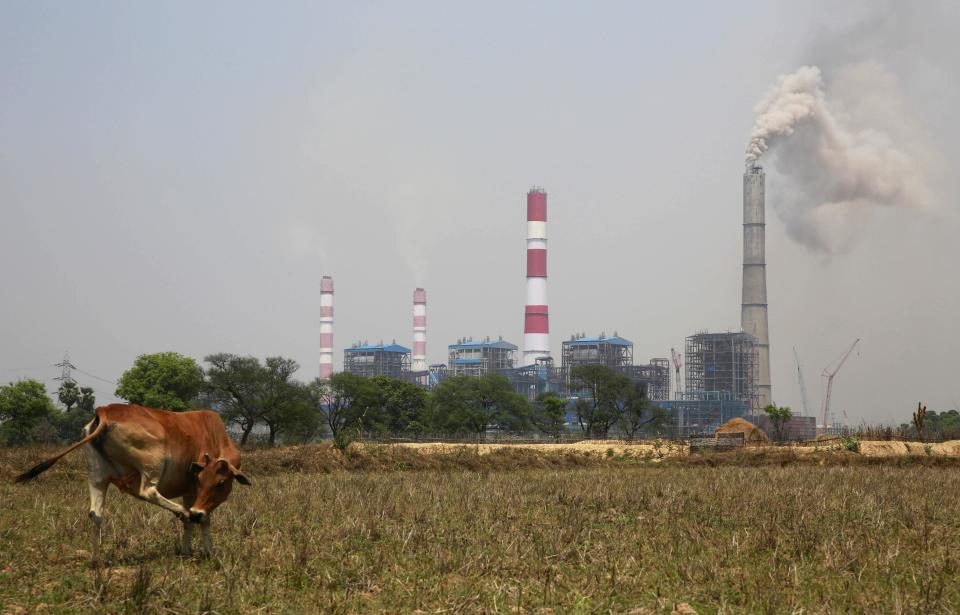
x=65 y=368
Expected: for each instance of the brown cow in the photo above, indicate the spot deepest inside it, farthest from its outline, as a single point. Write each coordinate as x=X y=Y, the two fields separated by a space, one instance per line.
x=157 y=455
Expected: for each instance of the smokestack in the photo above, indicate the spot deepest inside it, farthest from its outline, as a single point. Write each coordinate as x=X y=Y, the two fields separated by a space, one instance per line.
x=536 y=327
x=419 y=330
x=326 y=327
x=753 y=314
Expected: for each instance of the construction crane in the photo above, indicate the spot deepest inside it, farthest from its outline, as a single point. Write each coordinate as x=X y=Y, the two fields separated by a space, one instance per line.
x=803 y=383
x=829 y=374
x=677 y=364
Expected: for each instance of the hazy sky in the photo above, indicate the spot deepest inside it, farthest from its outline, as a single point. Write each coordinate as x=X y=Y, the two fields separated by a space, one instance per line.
x=179 y=176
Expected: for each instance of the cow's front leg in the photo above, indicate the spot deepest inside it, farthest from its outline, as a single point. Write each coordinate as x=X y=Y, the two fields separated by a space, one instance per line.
x=150 y=493
x=186 y=548
x=205 y=531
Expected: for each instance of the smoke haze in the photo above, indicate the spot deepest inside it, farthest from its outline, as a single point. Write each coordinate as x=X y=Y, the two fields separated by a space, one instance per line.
x=835 y=166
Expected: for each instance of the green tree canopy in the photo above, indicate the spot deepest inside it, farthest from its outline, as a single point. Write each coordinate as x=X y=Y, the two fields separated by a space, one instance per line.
x=473 y=405
x=779 y=416
x=161 y=380
x=88 y=400
x=70 y=423
x=249 y=392
x=549 y=415
x=68 y=394
x=399 y=405
x=27 y=414
x=344 y=401
x=286 y=401
x=602 y=391
x=637 y=412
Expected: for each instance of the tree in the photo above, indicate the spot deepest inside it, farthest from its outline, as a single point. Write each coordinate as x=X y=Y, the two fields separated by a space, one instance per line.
x=27 y=414
x=249 y=393
x=68 y=394
x=602 y=389
x=161 y=380
x=779 y=416
x=87 y=401
x=549 y=415
x=284 y=400
x=344 y=401
x=469 y=404
x=71 y=423
x=918 y=418
x=636 y=412
x=399 y=405
x=234 y=382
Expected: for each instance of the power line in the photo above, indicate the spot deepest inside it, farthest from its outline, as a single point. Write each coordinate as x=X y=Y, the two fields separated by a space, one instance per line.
x=85 y=373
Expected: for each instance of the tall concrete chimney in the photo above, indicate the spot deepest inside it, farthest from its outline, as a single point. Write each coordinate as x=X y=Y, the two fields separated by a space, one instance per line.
x=753 y=314
x=419 y=331
x=326 y=327
x=536 y=325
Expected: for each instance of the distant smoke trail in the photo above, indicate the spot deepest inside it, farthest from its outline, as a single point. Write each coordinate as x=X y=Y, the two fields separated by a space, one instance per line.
x=835 y=169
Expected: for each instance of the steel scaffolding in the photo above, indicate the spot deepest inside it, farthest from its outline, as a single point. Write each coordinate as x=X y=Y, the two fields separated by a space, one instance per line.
x=724 y=364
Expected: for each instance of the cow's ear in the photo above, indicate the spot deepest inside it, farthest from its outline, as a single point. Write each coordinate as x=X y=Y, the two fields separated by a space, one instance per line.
x=242 y=478
x=195 y=468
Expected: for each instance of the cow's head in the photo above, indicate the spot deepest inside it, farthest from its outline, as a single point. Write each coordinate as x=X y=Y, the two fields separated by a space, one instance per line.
x=214 y=482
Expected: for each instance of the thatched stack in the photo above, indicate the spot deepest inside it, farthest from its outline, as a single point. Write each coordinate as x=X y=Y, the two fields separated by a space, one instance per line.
x=751 y=433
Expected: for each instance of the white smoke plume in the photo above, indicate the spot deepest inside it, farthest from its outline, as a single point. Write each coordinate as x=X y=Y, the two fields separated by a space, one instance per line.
x=834 y=166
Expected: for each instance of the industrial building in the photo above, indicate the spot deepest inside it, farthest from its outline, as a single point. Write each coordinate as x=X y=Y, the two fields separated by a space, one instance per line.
x=721 y=381
x=616 y=353
x=476 y=358
x=697 y=412
x=369 y=360
x=723 y=363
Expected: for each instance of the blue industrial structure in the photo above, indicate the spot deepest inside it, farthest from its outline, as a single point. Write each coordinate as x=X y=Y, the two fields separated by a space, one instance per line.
x=381 y=359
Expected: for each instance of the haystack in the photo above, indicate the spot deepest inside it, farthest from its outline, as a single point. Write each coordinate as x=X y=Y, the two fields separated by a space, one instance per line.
x=751 y=433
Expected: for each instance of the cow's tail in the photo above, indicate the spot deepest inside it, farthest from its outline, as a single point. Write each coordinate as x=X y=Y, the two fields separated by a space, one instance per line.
x=100 y=423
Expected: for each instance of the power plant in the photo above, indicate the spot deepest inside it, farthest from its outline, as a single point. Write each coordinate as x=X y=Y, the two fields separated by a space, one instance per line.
x=726 y=374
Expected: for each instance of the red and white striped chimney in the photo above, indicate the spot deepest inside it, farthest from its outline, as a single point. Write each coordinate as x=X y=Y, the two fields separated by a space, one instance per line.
x=326 y=327
x=536 y=327
x=419 y=330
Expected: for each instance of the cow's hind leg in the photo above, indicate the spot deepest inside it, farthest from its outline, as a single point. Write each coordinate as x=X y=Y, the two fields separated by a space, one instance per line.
x=98 y=493
x=99 y=479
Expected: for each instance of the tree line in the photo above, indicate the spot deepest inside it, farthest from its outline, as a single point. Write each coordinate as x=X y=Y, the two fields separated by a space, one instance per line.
x=255 y=396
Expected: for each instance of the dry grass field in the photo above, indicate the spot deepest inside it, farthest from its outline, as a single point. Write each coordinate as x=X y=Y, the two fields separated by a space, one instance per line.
x=397 y=529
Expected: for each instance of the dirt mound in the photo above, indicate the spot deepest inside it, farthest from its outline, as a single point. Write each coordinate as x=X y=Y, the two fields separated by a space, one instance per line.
x=751 y=433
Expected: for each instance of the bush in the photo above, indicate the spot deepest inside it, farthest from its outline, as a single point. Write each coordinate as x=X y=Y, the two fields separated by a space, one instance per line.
x=342 y=439
x=852 y=444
